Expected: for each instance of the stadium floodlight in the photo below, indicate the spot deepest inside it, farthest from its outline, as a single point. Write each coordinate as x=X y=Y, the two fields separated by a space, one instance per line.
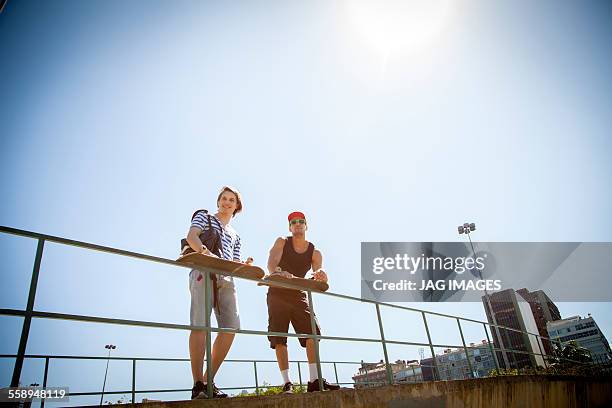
x=109 y=347
x=466 y=228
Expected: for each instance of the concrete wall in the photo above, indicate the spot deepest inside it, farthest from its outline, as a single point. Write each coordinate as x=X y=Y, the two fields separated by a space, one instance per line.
x=511 y=391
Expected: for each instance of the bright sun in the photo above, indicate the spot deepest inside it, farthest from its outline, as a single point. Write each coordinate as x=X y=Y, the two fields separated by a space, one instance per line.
x=397 y=27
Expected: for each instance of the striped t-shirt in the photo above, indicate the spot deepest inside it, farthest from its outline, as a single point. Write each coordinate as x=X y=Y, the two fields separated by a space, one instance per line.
x=230 y=241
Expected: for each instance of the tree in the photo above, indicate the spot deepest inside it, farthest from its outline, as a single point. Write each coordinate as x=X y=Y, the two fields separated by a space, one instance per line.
x=571 y=354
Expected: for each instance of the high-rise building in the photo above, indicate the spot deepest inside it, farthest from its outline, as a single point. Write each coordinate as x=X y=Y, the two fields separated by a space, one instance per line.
x=585 y=332
x=508 y=308
x=544 y=310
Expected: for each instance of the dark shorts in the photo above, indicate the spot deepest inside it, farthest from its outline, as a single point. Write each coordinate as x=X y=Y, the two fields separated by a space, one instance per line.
x=282 y=311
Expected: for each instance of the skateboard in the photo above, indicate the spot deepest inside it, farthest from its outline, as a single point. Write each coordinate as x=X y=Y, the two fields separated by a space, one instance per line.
x=305 y=283
x=235 y=268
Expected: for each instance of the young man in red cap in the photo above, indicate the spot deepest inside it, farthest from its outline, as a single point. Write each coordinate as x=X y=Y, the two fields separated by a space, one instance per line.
x=294 y=256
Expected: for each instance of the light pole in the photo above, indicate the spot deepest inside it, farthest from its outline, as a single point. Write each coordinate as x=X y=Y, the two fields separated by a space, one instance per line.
x=466 y=228
x=109 y=347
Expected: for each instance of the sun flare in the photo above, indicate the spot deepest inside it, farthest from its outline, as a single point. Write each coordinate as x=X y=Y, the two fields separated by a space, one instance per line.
x=398 y=27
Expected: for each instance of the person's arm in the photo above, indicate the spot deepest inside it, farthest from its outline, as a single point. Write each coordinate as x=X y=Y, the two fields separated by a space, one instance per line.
x=193 y=236
x=276 y=253
x=317 y=266
x=193 y=239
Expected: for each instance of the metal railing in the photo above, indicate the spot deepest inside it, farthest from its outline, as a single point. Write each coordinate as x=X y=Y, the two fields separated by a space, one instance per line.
x=29 y=313
x=133 y=390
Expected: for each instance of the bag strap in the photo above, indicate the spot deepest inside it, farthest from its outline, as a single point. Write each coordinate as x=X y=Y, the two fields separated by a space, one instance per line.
x=210 y=226
x=197 y=211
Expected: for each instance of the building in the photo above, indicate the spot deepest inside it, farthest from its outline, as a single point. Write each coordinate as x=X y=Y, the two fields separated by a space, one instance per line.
x=508 y=308
x=410 y=373
x=370 y=375
x=453 y=363
x=586 y=333
x=544 y=310
x=374 y=374
x=428 y=369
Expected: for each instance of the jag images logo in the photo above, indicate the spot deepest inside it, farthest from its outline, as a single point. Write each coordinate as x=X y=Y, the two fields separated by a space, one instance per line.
x=458 y=272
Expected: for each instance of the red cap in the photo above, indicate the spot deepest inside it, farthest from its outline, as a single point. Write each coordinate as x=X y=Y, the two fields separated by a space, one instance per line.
x=296 y=214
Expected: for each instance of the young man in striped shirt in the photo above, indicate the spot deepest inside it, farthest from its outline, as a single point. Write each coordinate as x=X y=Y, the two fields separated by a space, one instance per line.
x=229 y=203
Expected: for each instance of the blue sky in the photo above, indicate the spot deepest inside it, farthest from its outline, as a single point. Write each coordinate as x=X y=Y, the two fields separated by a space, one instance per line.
x=382 y=121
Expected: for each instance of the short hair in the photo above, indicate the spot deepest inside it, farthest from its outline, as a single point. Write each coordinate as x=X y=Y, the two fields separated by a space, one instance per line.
x=236 y=193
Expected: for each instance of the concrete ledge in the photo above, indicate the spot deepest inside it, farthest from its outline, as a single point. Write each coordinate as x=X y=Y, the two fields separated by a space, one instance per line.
x=510 y=391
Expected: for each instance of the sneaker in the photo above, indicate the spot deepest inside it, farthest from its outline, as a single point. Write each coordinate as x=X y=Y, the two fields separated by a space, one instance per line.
x=288 y=388
x=198 y=391
x=314 y=386
x=217 y=393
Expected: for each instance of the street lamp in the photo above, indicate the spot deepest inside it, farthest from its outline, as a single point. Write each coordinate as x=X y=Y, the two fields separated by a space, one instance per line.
x=109 y=347
x=466 y=228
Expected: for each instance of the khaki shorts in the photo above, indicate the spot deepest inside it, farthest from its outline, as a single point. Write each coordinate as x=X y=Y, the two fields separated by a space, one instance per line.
x=226 y=310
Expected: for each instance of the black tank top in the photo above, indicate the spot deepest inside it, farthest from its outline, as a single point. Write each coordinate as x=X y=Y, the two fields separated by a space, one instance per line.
x=297 y=264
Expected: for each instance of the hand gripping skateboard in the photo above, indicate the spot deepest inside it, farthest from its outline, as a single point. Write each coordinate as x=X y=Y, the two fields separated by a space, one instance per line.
x=238 y=269
x=305 y=283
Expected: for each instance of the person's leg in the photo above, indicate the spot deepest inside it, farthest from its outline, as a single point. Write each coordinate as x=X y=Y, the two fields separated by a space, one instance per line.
x=282 y=356
x=227 y=317
x=220 y=348
x=278 y=321
x=302 y=323
x=197 y=339
x=312 y=360
x=310 y=351
x=300 y=319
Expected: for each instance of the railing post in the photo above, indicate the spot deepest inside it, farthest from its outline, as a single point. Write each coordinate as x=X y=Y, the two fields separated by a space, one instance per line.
x=550 y=346
x=299 y=373
x=256 y=382
x=313 y=326
x=336 y=372
x=384 y=344
x=133 y=381
x=27 y=320
x=503 y=348
x=42 y=400
x=414 y=374
x=207 y=312
x=538 y=340
x=493 y=352
x=433 y=354
x=467 y=355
